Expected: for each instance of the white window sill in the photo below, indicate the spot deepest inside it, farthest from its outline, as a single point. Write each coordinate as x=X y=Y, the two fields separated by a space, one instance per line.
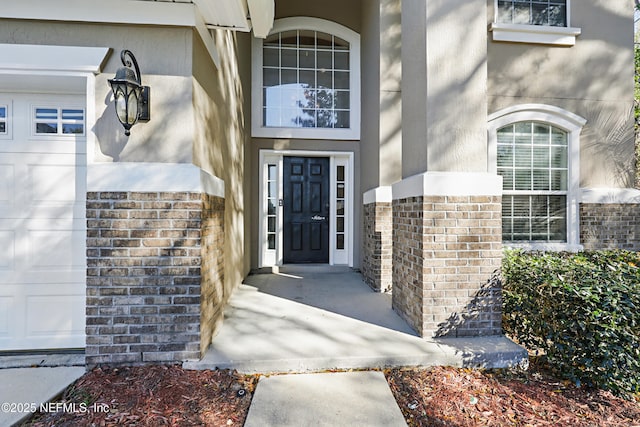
x=535 y=34
x=306 y=133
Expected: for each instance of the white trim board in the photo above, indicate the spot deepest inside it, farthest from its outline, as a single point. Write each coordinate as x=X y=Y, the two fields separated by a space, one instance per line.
x=152 y=177
x=610 y=196
x=112 y=11
x=52 y=58
x=534 y=34
x=448 y=184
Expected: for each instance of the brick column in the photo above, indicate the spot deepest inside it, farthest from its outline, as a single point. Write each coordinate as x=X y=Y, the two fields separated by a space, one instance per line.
x=447 y=249
x=212 y=283
x=377 y=246
x=155 y=271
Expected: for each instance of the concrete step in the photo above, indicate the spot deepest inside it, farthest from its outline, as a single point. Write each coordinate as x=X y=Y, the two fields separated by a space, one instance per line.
x=336 y=399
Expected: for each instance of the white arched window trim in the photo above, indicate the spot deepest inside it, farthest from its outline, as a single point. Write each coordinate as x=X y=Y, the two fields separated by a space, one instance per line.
x=315 y=24
x=570 y=123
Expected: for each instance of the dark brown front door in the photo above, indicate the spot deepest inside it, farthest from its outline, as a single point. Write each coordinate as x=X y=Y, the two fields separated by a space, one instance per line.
x=306 y=210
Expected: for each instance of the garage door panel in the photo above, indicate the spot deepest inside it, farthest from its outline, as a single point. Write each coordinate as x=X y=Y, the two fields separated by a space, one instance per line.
x=52 y=184
x=48 y=278
x=7 y=177
x=43 y=316
x=56 y=249
x=55 y=211
x=6 y=311
x=8 y=252
x=65 y=315
x=42 y=231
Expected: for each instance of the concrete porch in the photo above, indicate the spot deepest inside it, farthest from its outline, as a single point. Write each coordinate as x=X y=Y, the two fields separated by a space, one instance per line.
x=316 y=318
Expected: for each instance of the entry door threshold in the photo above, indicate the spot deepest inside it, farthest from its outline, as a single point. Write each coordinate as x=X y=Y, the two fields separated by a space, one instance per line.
x=303 y=268
x=312 y=268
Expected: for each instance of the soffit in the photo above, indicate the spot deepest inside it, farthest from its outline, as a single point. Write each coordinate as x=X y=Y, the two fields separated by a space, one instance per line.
x=239 y=15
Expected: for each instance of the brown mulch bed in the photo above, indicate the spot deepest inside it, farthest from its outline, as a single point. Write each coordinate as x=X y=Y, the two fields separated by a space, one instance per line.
x=445 y=396
x=154 y=396
x=171 y=396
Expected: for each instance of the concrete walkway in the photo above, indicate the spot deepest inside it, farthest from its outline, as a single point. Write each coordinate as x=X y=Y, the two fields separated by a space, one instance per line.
x=23 y=390
x=310 y=320
x=313 y=319
x=337 y=399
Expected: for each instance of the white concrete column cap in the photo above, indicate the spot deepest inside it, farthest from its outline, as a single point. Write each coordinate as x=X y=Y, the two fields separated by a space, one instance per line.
x=448 y=184
x=152 y=177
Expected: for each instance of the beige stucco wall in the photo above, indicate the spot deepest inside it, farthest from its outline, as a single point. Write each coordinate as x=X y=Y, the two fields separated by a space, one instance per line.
x=444 y=60
x=343 y=12
x=220 y=138
x=593 y=79
x=381 y=135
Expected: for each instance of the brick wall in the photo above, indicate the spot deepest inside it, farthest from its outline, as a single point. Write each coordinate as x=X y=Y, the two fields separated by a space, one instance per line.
x=446 y=252
x=212 y=285
x=610 y=226
x=145 y=275
x=377 y=246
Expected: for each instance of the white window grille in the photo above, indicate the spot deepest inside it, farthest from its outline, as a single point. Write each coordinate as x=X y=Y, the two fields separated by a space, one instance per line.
x=533 y=12
x=306 y=81
x=58 y=121
x=533 y=162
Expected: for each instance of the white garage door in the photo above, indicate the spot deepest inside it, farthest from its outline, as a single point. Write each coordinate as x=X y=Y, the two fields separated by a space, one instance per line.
x=42 y=221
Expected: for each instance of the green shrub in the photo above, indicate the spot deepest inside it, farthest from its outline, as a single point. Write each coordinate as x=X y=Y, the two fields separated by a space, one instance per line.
x=582 y=311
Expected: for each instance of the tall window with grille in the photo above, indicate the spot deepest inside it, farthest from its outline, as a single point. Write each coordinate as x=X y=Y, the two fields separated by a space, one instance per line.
x=307 y=81
x=533 y=159
x=551 y=13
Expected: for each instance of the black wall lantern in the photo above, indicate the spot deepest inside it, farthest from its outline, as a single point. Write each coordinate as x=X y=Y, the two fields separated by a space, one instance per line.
x=131 y=98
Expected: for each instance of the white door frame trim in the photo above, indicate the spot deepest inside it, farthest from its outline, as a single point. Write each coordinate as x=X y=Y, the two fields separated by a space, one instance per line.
x=269 y=258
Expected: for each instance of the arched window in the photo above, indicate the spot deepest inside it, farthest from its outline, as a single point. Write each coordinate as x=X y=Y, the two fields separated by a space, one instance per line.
x=306 y=81
x=536 y=150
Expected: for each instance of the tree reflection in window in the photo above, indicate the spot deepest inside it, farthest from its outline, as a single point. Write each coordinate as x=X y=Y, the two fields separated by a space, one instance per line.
x=306 y=80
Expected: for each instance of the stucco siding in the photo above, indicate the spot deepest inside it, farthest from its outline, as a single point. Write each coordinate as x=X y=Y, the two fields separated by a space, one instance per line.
x=444 y=101
x=346 y=13
x=381 y=136
x=220 y=138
